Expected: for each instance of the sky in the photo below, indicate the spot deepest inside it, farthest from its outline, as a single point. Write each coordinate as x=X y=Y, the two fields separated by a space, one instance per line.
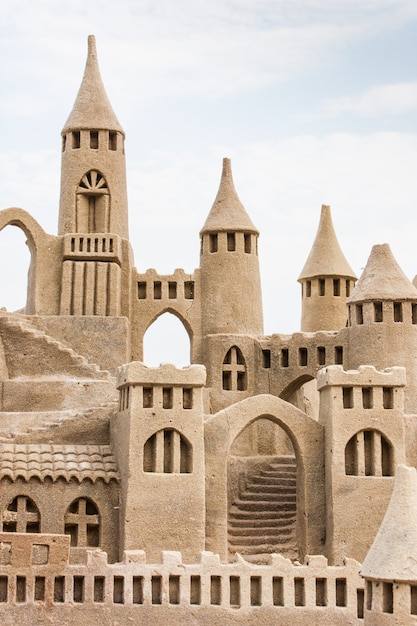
x=314 y=101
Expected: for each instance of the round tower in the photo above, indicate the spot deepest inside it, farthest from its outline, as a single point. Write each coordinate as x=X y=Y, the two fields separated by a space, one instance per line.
x=326 y=281
x=383 y=320
x=230 y=279
x=93 y=174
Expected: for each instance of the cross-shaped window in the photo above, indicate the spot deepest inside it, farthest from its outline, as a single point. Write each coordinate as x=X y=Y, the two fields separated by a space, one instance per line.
x=21 y=516
x=82 y=523
x=234 y=371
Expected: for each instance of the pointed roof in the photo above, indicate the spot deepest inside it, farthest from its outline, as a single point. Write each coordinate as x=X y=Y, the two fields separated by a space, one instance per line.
x=393 y=554
x=383 y=279
x=92 y=108
x=326 y=257
x=227 y=212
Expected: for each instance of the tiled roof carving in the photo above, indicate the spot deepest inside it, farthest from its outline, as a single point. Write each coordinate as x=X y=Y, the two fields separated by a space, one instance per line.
x=92 y=462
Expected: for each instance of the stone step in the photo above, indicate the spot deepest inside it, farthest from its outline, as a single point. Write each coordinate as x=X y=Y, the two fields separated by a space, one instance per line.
x=239 y=531
x=265 y=505
x=266 y=548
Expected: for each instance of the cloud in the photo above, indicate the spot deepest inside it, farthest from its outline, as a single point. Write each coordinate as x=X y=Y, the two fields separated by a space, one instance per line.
x=380 y=100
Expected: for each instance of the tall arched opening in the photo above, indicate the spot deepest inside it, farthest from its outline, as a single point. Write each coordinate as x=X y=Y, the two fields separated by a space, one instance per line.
x=15 y=259
x=262 y=493
x=167 y=341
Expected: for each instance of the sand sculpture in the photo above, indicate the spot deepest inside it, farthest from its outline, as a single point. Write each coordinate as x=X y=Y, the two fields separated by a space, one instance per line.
x=246 y=488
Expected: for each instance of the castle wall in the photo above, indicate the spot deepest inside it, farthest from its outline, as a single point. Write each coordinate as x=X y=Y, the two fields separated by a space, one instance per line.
x=169 y=590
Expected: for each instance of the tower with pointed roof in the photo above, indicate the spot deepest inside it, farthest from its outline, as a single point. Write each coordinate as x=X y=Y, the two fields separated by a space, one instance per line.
x=383 y=319
x=230 y=280
x=93 y=217
x=326 y=280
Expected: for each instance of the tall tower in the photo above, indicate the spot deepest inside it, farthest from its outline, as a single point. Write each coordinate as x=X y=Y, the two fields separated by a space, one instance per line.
x=93 y=217
x=383 y=320
x=326 y=279
x=230 y=280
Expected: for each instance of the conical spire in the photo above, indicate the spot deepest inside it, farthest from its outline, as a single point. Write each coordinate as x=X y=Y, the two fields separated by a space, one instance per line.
x=227 y=212
x=92 y=108
x=383 y=279
x=393 y=554
x=326 y=257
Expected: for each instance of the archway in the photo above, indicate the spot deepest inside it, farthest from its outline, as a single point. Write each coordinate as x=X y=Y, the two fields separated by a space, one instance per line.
x=302 y=393
x=307 y=439
x=167 y=341
x=15 y=258
x=262 y=493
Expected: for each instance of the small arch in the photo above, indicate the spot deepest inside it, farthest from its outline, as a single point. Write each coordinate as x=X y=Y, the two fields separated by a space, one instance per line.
x=167 y=340
x=234 y=373
x=369 y=453
x=82 y=523
x=167 y=452
x=21 y=516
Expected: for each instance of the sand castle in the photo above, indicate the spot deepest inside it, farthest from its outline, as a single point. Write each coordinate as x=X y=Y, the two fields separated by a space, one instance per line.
x=246 y=488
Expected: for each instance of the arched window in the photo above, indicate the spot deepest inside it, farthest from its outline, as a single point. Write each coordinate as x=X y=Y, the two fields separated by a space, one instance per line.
x=234 y=371
x=167 y=452
x=82 y=523
x=93 y=206
x=21 y=516
x=369 y=453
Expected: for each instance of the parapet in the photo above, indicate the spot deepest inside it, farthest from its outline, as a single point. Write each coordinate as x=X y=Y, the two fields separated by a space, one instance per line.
x=137 y=373
x=366 y=375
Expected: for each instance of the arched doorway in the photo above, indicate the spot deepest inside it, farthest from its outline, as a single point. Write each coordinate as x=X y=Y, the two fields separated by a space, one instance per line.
x=167 y=341
x=262 y=493
x=302 y=393
x=15 y=260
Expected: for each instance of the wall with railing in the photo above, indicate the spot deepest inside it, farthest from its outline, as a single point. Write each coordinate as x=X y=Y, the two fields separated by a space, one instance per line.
x=36 y=575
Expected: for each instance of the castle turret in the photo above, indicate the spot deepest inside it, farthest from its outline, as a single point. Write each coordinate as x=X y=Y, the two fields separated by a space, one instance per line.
x=230 y=280
x=93 y=217
x=158 y=439
x=383 y=320
x=93 y=174
x=326 y=279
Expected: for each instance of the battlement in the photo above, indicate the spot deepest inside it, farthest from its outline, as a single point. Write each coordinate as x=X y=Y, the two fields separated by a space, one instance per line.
x=282 y=590
x=365 y=375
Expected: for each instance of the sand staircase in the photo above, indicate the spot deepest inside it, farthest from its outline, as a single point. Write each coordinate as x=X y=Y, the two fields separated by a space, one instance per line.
x=30 y=350
x=262 y=520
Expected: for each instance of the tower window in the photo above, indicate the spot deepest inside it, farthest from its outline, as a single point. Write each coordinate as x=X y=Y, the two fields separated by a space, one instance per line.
x=213 y=242
x=338 y=355
x=322 y=286
x=414 y=313
x=76 y=139
x=248 y=243
x=321 y=355
x=189 y=289
x=378 y=312
x=336 y=286
x=285 y=356
x=64 y=142
x=347 y=397
x=234 y=371
x=112 y=141
x=388 y=397
x=231 y=242
x=369 y=453
x=308 y=288
x=367 y=397
x=347 y=288
x=302 y=357
x=172 y=290
x=167 y=452
x=398 y=311
x=359 y=314
x=266 y=358
x=142 y=290
x=94 y=139
x=157 y=290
